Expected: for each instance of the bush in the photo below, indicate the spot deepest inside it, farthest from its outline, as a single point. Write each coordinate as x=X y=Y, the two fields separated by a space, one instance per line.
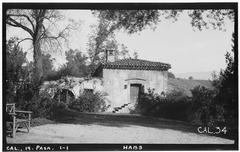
x=42 y=105
x=205 y=111
x=174 y=106
x=146 y=102
x=58 y=110
x=89 y=102
x=200 y=109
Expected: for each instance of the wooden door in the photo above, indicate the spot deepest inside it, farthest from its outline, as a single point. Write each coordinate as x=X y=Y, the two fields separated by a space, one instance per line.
x=134 y=92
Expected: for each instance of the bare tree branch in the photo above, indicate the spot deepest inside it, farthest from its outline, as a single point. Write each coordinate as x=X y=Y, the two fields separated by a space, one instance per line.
x=44 y=32
x=14 y=23
x=61 y=34
x=23 y=40
x=22 y=15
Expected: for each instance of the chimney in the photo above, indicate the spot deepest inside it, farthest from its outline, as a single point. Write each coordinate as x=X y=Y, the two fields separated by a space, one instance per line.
x=110 y=56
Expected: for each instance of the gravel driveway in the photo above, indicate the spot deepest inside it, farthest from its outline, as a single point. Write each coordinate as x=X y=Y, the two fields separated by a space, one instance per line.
x=97 y=133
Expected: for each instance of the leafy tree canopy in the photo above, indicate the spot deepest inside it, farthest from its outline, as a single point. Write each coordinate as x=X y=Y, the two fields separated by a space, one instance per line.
x=76 y=63
x=137 y=20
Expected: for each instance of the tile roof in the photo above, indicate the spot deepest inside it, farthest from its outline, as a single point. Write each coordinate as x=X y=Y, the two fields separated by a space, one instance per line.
x=136 y=64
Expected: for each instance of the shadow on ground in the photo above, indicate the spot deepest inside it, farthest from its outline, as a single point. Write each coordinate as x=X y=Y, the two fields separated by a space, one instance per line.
x=126 y=120
x=122 y=120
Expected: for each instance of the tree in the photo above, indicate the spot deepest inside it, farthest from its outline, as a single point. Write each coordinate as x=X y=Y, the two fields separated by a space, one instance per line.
x=76 y=66
x=225 y=101
x=137 y=20
x=130 y=20
x=15 y=59
x=171 y=75
x=133 y=21
x=104 y=33
x=204 y=109
x=124 y=53
x=17 y=70
x=227 y=87
x=190 y=78
x=38 y=24
x=135 y=55
x=47 y=65
x=102 y=39
x=76 y=63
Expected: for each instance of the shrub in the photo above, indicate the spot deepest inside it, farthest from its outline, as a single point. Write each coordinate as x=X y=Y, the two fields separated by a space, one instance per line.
x=200 y=109
x=205 y=111
x=89 y=102
x=174 y=106
x=145 y=103
x=42 y=105
x=58 y=110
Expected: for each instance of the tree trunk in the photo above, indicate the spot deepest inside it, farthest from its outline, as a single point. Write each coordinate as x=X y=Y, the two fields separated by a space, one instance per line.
x=37 y=52
x=38 y=68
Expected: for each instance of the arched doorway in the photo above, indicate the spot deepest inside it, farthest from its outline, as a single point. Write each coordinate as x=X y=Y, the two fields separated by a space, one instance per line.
x=64 y=95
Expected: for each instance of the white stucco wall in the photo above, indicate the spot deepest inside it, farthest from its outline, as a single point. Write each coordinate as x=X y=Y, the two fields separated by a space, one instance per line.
x=115 y=79
x=112 y=85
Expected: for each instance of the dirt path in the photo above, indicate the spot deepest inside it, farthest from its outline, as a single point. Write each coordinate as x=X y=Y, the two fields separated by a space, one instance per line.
x=98 y=133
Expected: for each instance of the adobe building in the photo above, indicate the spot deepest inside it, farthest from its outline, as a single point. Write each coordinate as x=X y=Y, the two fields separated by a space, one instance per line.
x=124 y=80
x=121 y=82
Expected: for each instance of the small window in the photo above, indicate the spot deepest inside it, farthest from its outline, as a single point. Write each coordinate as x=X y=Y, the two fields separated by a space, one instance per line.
x=88 y=90
x=110 y=52
x=125 y=86
x=163 y=94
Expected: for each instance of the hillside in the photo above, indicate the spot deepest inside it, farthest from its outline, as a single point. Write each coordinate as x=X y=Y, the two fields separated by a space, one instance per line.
x=186 y=85
x=196 y=75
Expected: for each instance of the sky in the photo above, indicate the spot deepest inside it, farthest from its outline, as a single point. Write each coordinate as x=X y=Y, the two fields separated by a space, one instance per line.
x=186 y=49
